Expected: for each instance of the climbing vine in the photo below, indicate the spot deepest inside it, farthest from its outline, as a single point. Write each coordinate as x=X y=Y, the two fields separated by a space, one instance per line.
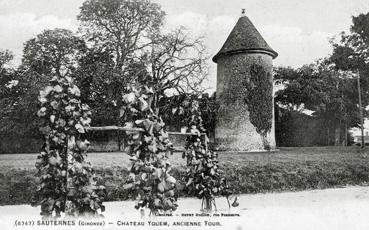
x=260 y=99
x=176 y=110
x=203 y=176
x=149 y=180
x=66 y=180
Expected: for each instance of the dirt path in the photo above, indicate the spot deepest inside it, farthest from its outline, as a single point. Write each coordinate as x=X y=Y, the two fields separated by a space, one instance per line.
x=343 y=208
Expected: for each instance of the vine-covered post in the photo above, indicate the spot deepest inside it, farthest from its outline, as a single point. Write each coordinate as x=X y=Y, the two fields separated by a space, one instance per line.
x=149 y=180
x=66 y=181
x=203 y=176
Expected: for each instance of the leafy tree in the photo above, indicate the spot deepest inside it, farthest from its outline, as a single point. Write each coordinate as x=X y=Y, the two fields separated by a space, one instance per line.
x=9 y=92
x=121 y=26
x=93 y=76
x=351 y=53
x=329 y=87
x=131 y=32
x=52 y=52
x=328 y=92
x=5 y=57
x=6 y=74
x=17 y=109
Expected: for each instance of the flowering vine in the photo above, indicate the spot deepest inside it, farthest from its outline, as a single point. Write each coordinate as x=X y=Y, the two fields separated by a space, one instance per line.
x=149 y=179
x=67 y=182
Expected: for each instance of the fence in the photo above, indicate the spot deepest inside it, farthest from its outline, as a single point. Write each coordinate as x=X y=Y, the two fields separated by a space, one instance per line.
x=122 y=131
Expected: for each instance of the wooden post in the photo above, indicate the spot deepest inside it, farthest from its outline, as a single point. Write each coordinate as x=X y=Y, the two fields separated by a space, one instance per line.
x=119 y=140
x=328 y=134
x=67 y=205
x=360 y=110
x=346 y=134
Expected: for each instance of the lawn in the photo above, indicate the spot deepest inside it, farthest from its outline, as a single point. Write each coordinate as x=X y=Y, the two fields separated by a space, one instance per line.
x=290 y=169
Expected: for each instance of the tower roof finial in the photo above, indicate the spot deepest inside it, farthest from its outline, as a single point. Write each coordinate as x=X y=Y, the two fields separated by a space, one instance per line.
x=243 y=12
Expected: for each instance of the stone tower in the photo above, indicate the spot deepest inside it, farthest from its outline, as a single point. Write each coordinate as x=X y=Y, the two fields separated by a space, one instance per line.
x=245 y=116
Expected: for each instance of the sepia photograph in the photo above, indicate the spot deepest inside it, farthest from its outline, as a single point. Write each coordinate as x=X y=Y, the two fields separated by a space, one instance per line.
x=184 y=114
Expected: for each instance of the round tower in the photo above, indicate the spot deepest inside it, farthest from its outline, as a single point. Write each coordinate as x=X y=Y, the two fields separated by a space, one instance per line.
x=245 y=115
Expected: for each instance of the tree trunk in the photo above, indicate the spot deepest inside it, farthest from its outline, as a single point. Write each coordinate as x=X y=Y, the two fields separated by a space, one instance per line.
x=346 y=138
x=328 y=134
x=337 y=136
x=119 y=141
x=207 y=205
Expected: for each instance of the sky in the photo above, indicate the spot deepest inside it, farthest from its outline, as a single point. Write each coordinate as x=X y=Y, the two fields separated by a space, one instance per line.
x=298 y=30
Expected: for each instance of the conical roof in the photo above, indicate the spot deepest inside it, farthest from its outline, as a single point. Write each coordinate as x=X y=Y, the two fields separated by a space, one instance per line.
x=245 y=38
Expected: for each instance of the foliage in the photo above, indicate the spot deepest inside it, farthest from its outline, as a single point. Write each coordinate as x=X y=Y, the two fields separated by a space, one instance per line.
x=329 y=93
x=52 y=52
x=67 y=182
x=351 y=52
x=130 y=31
x=294 y=128
x=149 y=180
x=118 y=33
x=122 y=26
x=121 y=42
x=5 y=57
x=178 y=64
x=7 y=83
x=329 y=87
x=17 y=107
x=99 y=88
x=176 y=110
x=203 y=177
x=260 y=99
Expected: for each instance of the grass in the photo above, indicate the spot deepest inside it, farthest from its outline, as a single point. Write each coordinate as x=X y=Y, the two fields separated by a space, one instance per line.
x=290 y=169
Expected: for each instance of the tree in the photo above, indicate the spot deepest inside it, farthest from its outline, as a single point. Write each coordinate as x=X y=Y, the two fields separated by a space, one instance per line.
x=122 y=26
x=9 y=92
x=130 y=30
x=52 y=52
x=93 y=76
x=5 y=57
x=17 y=109
x=177 y=64
x=328 y=92
x=351 y=52
x=6 y=75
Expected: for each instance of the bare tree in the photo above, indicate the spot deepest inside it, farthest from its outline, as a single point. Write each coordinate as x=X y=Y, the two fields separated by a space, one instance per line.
x=178 y=63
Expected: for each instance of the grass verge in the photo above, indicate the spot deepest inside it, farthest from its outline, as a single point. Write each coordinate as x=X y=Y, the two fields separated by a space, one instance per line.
x=291 y=169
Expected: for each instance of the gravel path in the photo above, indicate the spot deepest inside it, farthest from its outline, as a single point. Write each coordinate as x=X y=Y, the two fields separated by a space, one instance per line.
x=342 y=208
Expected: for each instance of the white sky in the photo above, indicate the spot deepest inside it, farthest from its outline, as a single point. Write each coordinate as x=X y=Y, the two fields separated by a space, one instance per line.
x=298 y=30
